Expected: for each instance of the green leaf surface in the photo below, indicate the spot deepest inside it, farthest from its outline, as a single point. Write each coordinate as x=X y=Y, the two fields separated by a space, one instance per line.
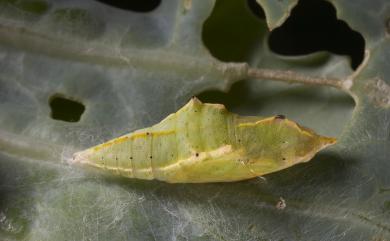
x=132 y=69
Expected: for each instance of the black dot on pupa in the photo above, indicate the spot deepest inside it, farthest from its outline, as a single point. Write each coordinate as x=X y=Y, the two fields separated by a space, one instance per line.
x=197 y=154
x=150 y=157
x=281 y=117
x=131 y=158
x=147 y=133
x=283 y=159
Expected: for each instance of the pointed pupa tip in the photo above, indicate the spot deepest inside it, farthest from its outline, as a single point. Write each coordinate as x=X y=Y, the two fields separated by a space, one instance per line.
x=195 y=99
x=280 y=117
x=78 y=158
x=328 y=141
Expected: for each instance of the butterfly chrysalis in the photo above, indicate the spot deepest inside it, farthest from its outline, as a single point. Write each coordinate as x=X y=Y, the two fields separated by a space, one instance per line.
x=206 y=143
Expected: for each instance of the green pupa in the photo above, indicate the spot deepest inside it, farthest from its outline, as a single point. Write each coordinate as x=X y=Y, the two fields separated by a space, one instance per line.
x=206 y=143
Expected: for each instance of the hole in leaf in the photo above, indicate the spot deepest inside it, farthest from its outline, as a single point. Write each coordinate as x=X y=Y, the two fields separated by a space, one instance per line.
x=313 y=26
x=65 y=109
x=33 y=6
x=256 y=9
x=27 y=10
x=133 y=5
x=233 y=32
x=323 y=109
